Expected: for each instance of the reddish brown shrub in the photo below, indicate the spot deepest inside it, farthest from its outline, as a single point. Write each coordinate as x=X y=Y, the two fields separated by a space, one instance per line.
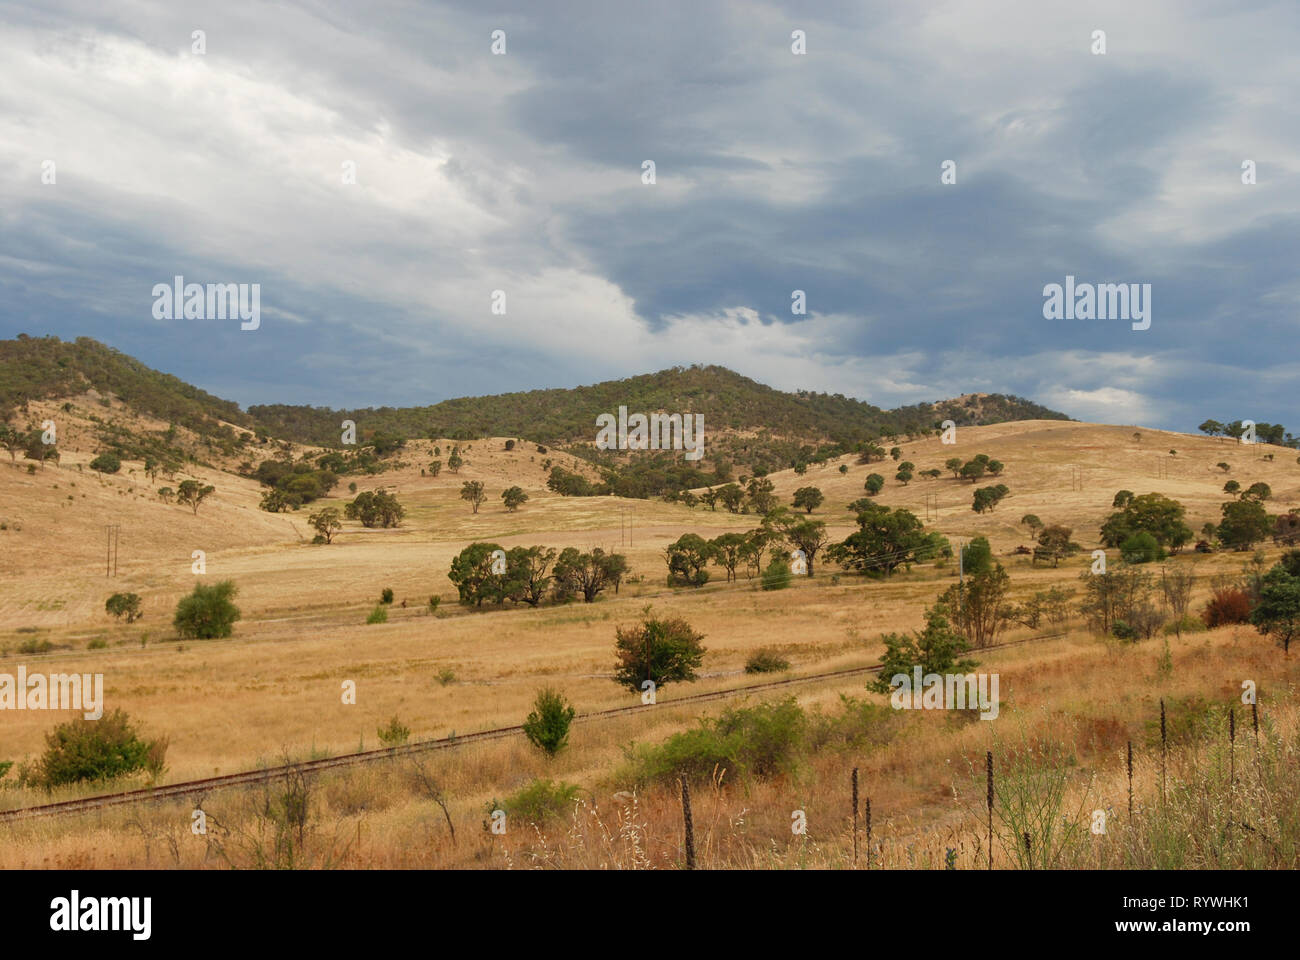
x=1227 y=605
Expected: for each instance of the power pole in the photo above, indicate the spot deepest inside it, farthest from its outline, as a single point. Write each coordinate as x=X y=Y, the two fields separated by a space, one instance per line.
x=110 y=560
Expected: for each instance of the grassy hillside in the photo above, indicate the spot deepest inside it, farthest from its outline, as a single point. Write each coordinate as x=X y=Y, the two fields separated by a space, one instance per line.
x=41 y=368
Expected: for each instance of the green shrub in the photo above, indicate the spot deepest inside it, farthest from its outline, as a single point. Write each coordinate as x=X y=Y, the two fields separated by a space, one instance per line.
x=106 y=463
x=433 y=603
x=208 y=613
x=743 y=742
x=4 y=767
x=539 y=801
x=97 y=750
x=124 y=605
x=777 y=576
x=99 y=643
x=1189 y=624
x=765 y=661
x=386 y=596
x=1122 y=631
x=664 y=651
x=859 y=723
x=378 y=615
x=35 y=646
x=547 y=727
x=1142 y=547
x=394 y=734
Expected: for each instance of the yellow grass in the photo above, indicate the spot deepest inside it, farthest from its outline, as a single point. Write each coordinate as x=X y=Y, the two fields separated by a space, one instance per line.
x=273 y=690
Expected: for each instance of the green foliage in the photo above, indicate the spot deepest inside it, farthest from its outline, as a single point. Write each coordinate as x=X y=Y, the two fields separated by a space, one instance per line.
x=808 y=499
x=759 y=742
x=107 y=462
x=935 y=649
x=1244 y=524
x=378 y=615
x=1141 y=548
x=124 y=605
x=547 y=726
x=874 y=484
x=977 y=557
x=663 y=650
x=777 y=576
x=765 y=661
x=207 y=613
x=377 y=508
x=84 y=750
x=34 y=368
x=987 y=498
x=688 y=558
x=514 y=498
x=886 y=539
x=386 y=595
x=191 y=493
x=587 y=573
x=326 y=522
x=395 y=734
x=537 y=802
x=471 y=572
x=472 y=492
x=1054 y=544
x=1277 y=613
x=1150 y=513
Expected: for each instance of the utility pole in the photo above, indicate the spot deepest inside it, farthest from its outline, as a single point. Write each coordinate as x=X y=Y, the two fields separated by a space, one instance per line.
x=110 y=560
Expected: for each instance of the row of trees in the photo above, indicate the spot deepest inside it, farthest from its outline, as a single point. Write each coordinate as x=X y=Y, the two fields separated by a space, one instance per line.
x=529 y=575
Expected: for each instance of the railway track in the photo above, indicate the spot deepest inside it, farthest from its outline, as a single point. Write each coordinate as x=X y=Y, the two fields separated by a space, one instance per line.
x=207 y=785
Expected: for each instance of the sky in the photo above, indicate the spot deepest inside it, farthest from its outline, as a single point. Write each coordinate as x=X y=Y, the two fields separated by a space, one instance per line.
x=223 y=158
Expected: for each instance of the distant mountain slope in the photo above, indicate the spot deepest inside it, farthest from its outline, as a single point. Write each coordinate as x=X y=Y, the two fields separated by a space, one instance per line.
x=759 y=418
x=729 y=402
x=41 y=368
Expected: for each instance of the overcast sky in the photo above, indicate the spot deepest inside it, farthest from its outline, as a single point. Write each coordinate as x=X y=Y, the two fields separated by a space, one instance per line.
x=522 y=172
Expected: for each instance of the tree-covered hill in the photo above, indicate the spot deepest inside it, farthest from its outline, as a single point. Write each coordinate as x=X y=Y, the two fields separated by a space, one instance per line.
x=746 y=422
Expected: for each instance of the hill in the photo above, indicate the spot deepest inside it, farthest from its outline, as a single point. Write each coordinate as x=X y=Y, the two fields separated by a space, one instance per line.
x=730 y=403
x=46 y=368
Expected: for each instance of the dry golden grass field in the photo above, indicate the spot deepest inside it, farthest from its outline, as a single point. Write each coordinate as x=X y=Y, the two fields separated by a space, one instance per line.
x=272 y=691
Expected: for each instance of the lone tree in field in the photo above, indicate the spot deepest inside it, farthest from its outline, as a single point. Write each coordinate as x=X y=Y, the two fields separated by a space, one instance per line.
x=875 y=483
x=377 y=508
x=1223 y=466
x=808 y=499
x=327 y=522
x=547 y=727
x=1244 y=524
x=514 y=497
x=1232 y=488
x=935 y=650
x=1031 y=521
x=954 y=464
x=208 y=613
x=661 y=651
x=191 y=493
x=124 y=605
x=454 y=462
x=1054 y=544
x=100 y=750
x=435 y=468
x=472 y=492
x=106 y=462
x=1277 y=613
